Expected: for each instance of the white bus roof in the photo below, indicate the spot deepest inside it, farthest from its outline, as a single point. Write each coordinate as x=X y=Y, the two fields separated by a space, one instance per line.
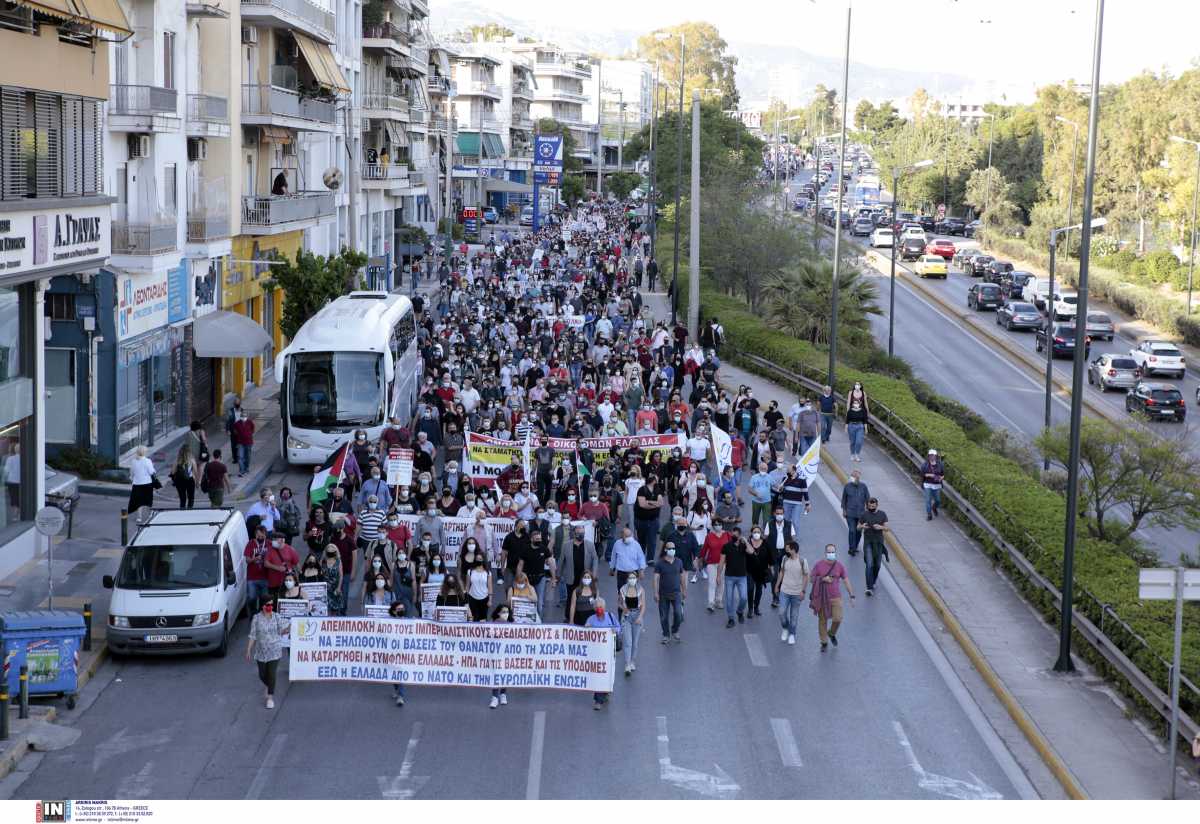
x=357 y=322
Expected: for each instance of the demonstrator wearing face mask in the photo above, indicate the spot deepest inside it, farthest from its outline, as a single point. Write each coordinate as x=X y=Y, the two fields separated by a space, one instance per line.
x=828 y=578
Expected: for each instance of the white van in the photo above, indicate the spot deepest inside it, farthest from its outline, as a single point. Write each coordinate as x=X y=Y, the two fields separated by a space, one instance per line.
x=181 y=584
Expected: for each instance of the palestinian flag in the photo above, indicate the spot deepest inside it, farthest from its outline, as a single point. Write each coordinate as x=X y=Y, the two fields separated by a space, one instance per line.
x=329 y=475
x=581 y=470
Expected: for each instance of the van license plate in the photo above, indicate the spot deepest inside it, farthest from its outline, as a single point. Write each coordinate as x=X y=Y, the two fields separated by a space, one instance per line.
x=161 y=639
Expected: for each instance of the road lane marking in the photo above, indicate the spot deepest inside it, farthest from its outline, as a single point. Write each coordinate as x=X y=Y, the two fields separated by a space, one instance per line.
x=720 y=785
x=533 y=784
x=789 y=753
x=942 y=784
x=121 y=743
x=1015 y=426
x=758 y=655
x=932 y=354
x=404 y=785
x=136 y=785
x=264 y=769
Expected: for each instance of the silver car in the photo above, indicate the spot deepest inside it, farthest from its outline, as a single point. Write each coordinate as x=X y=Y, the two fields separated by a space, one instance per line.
x=1111 y=371
x=1100 y=326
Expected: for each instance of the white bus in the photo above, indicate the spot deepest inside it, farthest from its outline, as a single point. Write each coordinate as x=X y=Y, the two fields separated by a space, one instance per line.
x=351 y=366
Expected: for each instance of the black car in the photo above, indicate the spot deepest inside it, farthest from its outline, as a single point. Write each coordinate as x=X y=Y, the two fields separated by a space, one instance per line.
x=927 y=222
x=996 y=271
x=979 y=265
x=911 y=248
x=984 y=296
x=1018 y=315
x=1014 y=283
x=1064 y=340
x=1156 y=401
x=950 y=226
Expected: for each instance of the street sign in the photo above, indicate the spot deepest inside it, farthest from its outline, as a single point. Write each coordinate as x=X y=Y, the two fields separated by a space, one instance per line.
x=548 y=153
x=49 y=521
x=1159 y=584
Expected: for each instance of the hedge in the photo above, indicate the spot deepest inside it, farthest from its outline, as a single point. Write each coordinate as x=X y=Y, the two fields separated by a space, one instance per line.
x=1142 y=302
x=1027 y=514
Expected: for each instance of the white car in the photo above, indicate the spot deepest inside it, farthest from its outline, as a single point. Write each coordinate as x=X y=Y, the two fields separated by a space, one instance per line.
x=1066 y=304
x=913 y=231
x=882 y=237
x=1154 y=356
x=1035 y=292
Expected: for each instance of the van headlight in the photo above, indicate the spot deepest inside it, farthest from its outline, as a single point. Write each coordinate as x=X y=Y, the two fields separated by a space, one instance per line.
x=204 y=619
x=296 y=443
x=119 y=621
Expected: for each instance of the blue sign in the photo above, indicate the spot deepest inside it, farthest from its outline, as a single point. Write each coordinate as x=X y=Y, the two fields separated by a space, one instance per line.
x=177 y=294
x=548 y=153
x=546 y=178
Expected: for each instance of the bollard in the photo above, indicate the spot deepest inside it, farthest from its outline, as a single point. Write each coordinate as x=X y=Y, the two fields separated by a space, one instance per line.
x=24 y=694
x=87 y=627
x=4 y=710
x=124 y=527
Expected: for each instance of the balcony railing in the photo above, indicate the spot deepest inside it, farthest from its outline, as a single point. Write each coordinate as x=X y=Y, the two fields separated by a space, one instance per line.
x=388 y=102
x=522 y=90
x=571 y=69
x=272 y=100
x=419 y=55
x=522 y=122
x=386 y=31
x=202 y=227
x=384 y=171
x=142 y=100
x=565 y=95
x=208 y=108
x=143 y=238
x=479 y=87
x=436 y=84
x=275 y=211
x=314 y=16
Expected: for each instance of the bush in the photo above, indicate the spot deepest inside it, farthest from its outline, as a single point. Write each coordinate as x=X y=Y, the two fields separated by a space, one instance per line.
x=83 y=462
x=1027 y=514
x=1161 y=266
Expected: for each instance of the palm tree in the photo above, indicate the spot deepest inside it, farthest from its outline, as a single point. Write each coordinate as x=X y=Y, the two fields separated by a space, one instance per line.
x=798 y=300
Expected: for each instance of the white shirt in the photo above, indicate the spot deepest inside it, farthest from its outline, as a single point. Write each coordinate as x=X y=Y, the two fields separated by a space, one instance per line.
x=141 y=471
x=469 y=399
x=697 y=448
x=12 y=469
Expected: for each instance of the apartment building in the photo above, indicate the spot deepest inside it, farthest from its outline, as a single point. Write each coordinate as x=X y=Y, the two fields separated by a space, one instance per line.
x=440 y=198
x=620 y=96
x=55 y=225
x=561 y=92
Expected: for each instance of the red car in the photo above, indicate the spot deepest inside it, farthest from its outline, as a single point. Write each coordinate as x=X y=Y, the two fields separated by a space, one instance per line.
x=943 y=248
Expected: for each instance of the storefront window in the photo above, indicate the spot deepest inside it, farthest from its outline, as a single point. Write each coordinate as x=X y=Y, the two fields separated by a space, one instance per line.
x=151 y=398
x=16 y=406
x=10 y=337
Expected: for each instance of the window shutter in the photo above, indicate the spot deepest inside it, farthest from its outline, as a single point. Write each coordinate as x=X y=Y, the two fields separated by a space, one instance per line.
x=48 y=112
x=92 y=143
x=72 y=147
x=12 y=155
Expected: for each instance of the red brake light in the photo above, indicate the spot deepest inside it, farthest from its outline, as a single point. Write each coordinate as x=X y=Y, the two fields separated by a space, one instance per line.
x=1112 y=373
x=1149 y=401
x=1059 y=340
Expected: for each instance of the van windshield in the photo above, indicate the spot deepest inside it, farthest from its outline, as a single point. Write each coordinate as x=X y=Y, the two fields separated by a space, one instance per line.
x=169 y=567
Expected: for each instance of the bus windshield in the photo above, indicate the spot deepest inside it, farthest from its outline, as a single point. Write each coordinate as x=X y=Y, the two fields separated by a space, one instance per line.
x=333 y=389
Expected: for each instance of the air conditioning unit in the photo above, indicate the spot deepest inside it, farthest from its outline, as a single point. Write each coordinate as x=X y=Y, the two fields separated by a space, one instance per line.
x=249 y=35
x=197 y=148
x=139 y=146
x=289 y=149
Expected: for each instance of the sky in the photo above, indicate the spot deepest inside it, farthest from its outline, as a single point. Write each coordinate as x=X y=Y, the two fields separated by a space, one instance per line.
x=1023 y=41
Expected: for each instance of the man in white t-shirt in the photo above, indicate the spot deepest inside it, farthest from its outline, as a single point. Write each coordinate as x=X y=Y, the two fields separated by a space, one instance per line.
x=468 y=396
x=697 y=448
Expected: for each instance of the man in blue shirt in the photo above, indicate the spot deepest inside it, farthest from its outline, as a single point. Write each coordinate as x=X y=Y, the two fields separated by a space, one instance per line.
x=760 y=495
x=627 y=556
x=828 y=404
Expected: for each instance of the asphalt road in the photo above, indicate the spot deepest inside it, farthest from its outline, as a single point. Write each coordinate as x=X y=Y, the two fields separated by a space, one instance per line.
x=873 y=718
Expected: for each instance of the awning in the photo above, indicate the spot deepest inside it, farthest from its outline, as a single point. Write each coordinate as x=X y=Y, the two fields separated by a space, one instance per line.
x=468 y=144
x=322 y=64
x=224 y=334
x=103 y=14
x=494 y=185
x=493 y=146
x=395 y=134
x=275 y=134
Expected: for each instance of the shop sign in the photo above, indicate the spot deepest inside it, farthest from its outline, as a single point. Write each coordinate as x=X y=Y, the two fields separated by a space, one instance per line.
x=204 y=281
x=149 y=300
x=36 y=240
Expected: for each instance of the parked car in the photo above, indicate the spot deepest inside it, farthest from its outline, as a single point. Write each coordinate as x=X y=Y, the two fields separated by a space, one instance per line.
x=979 y=265
x=1014 y=283
x=950 y=226
x=911 y=248
x=1018 y=315
x=1062 y=340
x=939 y=246
x=1157 y=401
x=882 y=236
x=1100 y=325
x=62 y=489
x=862 y=227
x=927 y=222
x=527 y=216
x=984 y=296
x=1110 y=371
x=996 y=271
x=1155 y=356
x=930 y=266
x=971 y=229
x=490 y=215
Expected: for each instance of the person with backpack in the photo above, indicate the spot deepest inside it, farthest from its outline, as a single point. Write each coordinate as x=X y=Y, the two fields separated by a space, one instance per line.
x=214 y=480
x=932 y=473
x=790 y=584
x=184 y=475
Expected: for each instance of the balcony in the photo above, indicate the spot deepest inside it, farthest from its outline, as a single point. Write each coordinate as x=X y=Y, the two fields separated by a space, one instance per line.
x=154 y=238
x=273 y=215
x=390 y=102
x=388 y=177
x=386 y=36
x=207 y=115
x=522 y=123
x=420 y=7
x=564 y=68
x=522 y=90
x=479 y=87
x=562 y=95
x=290 y=14
x=142 y=109
x=268 y=105
x=418 y=57
x=436 y=84
x=202 y=228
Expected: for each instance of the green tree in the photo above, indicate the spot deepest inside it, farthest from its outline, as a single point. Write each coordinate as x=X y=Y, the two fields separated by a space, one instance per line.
x=486 y=32
x=311 y=281
x=622 y=183
x=863 y=113
x=990 y=194
x=572 y=188
x=706 y=65
x=798 y=300
x=1124 y=466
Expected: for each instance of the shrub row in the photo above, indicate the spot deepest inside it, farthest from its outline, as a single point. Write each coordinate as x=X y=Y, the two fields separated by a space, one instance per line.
x=1027 y=514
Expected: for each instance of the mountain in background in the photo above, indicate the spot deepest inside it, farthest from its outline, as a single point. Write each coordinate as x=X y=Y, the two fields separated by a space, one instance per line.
x=796 y=72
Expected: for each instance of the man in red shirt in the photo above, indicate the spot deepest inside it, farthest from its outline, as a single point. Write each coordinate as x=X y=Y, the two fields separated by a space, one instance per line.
x=280 y=558
x=256 y=572
x=243 y=437
x=511 y=478
x=710 y=556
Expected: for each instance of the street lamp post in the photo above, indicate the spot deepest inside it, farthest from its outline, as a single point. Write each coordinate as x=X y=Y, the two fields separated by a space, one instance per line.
x=653 y=207
x=1195 y=202
x=896 y=175
x=678 y=181
x=1074 y=154
x=987 y=203
x=837 y=224
x=1063 y=664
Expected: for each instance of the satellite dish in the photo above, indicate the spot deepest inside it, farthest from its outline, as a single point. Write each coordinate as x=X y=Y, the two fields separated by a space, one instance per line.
x=332 y=177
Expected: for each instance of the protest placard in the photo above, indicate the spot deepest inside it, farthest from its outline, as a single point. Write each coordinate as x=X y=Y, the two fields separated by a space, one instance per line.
x=524 y=611
x=487 y=655
x=452 y=615
x=399 y=465
x=376 y=610
x=317 y=596
x=429 y=594
x=291 y=607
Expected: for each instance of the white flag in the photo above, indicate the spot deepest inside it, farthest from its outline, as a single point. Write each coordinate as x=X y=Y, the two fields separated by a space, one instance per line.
x=810 y=462
x=722 y=447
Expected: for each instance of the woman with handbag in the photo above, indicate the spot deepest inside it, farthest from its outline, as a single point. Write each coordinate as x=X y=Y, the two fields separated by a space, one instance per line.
x=184 y=475
x=143 y=481
x=197 y=440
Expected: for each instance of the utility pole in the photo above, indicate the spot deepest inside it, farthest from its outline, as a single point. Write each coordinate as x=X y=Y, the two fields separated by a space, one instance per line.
x=1071 y=193
x=600 y=128
x=451 y=137
x=837 y=221
x=678 y=186
x=351 y=176
x=621 y=130
x=653 y=204
x=694 y=228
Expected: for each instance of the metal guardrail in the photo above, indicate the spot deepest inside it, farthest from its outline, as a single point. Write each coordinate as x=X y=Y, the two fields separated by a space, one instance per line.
x=1091 y=617
x=208 y=108
x=273 y=100
x=207 y=227
x=272 y=211
x=143 y=238
x=142 y=100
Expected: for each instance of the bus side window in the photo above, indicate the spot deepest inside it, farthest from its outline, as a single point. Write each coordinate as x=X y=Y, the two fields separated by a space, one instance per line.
x=402 y=336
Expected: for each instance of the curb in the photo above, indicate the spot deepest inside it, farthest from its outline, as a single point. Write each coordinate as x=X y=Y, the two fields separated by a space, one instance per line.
x=19 y=745
x=1028 y=727
x=253 y=482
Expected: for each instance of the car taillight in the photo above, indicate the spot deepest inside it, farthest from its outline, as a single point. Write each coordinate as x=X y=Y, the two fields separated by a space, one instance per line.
x=1059 y=340
x=1149 y=401
x=1112 y=373
x=1153 y=359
